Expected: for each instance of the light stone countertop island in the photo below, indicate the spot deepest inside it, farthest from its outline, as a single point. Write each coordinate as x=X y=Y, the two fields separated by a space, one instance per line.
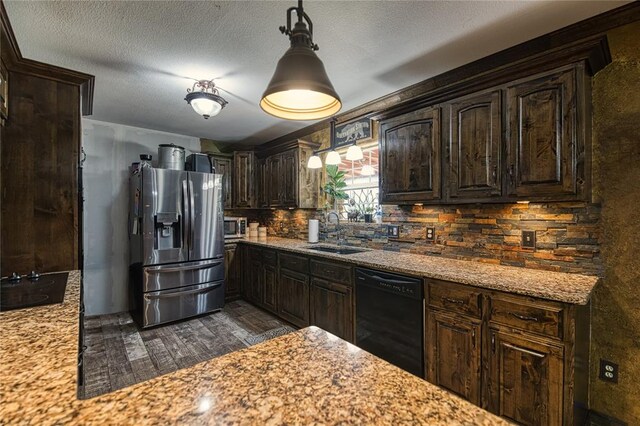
x=306 y=377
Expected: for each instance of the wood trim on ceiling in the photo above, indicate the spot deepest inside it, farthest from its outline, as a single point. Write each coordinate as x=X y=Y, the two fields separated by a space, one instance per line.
x=585 y=40
x=15 y=62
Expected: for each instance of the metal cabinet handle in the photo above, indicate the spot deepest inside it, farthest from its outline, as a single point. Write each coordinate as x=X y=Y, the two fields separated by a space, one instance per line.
x=523 y=317
x=493 y=343
x=450 y=300
x=495 y=175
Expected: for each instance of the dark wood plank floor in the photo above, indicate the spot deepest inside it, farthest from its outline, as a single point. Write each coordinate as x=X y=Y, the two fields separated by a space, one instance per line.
x=119 y=354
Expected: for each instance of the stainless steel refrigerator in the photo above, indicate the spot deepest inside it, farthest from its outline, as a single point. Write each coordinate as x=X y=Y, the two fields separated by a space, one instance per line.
x=176 y=244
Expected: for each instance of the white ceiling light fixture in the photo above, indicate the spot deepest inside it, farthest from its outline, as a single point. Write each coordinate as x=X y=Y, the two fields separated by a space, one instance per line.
x=205 y=99
x=367 y=169
x=354 y=153
x=300 y=88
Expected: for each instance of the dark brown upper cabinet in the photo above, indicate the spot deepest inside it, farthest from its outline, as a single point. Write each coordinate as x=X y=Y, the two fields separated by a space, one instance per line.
x=262 y=187
x=224 y=166
x=410 y=157
x=473 y=147
x=287 y=182
x=546 y=146
x=243 y=179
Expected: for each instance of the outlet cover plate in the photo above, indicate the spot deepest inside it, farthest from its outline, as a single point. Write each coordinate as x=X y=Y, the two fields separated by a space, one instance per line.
x=393 y=231
x=431 y=233
x=528 y=240
x=608 y=371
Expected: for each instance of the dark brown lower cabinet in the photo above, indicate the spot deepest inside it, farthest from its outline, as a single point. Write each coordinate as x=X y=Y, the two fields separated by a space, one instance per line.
x=253 y=279
x=526 y=379
x=332 y=308
x=293 y=297
x=454 y=353
x=231 y=271
x=270 y=288
x=523 y=358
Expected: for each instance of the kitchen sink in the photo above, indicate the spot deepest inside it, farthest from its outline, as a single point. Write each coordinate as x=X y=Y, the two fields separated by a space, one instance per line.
x=336 y=250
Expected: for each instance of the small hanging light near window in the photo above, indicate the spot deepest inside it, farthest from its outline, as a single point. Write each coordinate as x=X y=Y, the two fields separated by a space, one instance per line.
x=314 y=162
x=206 y=101
x=354 y=153
x=300 y=88
x=333 y=158
x=367 y=169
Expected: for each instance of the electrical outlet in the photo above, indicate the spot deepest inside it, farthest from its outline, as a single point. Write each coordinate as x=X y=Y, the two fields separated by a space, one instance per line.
x=608 y=371
x=431 y=233
x=393 y=231
x=528 y=239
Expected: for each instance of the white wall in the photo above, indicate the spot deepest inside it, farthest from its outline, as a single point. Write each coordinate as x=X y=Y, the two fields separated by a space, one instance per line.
x=110 y=149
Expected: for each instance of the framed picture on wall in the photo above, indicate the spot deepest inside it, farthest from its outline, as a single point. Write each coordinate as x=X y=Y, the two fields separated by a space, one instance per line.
x=4 y=91
x=352 y=131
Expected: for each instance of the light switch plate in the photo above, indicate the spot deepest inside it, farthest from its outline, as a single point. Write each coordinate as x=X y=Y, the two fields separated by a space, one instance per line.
x=528 y=239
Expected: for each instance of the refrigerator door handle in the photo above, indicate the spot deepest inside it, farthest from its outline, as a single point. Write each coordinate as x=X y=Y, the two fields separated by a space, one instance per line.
x=184 y=268
x=165 y=294
x=192 y=225
x=186 y=222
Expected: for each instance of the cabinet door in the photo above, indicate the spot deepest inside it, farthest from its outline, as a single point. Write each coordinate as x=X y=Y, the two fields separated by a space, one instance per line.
x=254 y=279
x=332 y=308
x=231 y=269
x=270 y=288
x=289 y=181
x=293 y=300
x=525 y=379
x=263 y=183
x=223 y=167
x=274 y=166
x=544 y=145
x=410 y=157
x=453 y=354
x=475 y=143
x=243 y=179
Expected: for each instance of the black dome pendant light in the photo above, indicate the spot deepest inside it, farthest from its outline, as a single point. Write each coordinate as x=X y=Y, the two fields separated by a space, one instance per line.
x=300 y=88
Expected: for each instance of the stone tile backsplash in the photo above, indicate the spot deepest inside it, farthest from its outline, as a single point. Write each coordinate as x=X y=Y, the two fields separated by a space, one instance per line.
x=568 y=235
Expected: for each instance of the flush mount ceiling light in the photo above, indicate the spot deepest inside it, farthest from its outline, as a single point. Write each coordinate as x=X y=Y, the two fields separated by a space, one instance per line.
x=204 y=98
x=300 y=88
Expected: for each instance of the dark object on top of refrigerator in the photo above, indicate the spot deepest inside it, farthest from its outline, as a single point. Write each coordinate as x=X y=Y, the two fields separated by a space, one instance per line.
x=177 y=244
x=198 y=162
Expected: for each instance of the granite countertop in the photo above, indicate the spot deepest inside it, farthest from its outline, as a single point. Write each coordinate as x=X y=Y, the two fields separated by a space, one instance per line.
x=558 y=286
x=306 y=377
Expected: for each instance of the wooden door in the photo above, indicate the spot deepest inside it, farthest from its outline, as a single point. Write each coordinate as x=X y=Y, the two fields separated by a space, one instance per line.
x=289 y=176
x=254 y=281
x=410 y=157
x=262 y=190
x=293 y=297
x=525 y=379
x=544 y=145
x=223 y=166
x=475 y=144
x=231 y=269
x=332 y=308
x=453 y=354
x=243 y=163
x=270 y=288
x=274 y=166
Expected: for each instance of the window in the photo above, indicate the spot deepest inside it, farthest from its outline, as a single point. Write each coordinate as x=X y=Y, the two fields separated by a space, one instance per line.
x=362 y=184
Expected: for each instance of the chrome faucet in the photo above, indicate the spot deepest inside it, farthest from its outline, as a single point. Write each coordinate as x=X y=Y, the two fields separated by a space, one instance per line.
x=338 y=227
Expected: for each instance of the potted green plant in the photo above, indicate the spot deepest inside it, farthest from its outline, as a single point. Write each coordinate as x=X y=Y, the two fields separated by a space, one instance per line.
x=368 y=214
x=334 y=186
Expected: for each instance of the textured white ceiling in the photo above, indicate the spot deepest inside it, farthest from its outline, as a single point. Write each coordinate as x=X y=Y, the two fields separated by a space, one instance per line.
x=145 y=54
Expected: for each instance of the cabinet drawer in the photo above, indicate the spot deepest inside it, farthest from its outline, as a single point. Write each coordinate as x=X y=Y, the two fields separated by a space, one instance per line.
x=269 y=257
x=527 y=314
x=454 y=297
x=331 y=271
x=294 y=263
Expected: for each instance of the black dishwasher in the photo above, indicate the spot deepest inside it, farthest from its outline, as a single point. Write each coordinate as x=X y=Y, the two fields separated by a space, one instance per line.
x=389 y=318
